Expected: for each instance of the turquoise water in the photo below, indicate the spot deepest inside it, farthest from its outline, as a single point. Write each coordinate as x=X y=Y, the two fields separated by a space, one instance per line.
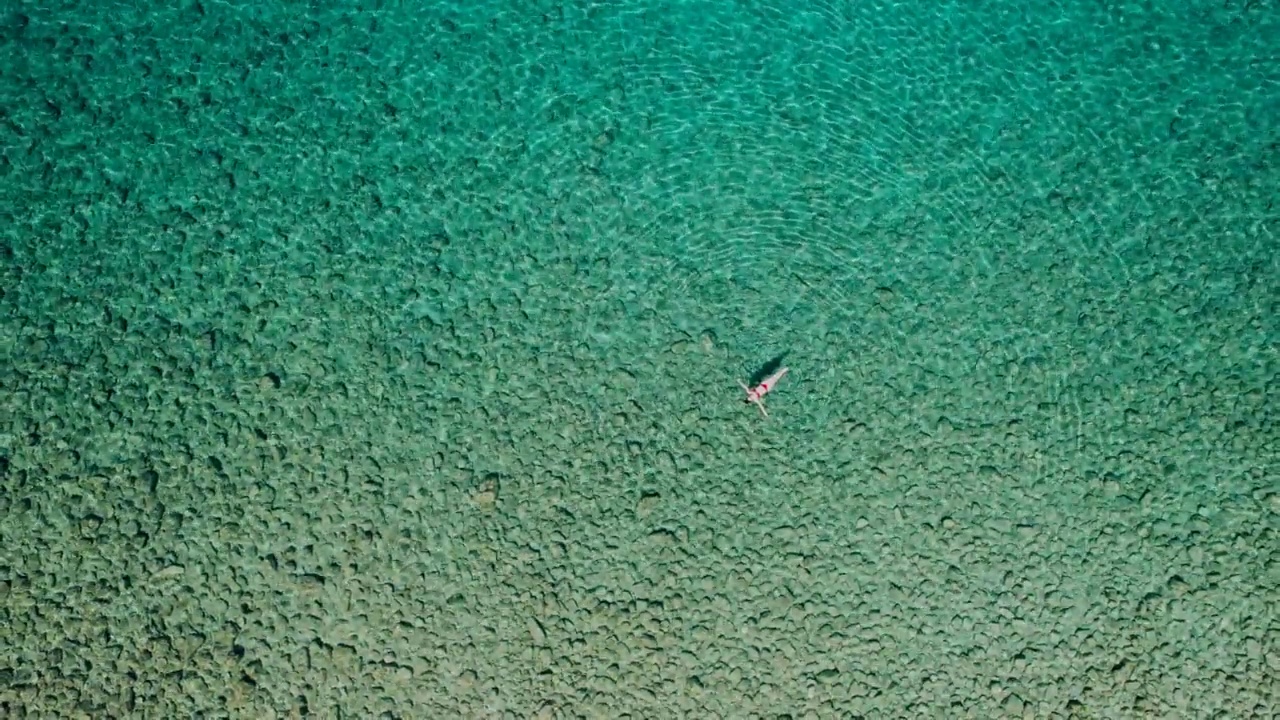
x=381 y=360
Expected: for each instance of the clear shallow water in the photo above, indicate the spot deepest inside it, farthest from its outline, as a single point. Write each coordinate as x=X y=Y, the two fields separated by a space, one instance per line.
x=383 y=360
